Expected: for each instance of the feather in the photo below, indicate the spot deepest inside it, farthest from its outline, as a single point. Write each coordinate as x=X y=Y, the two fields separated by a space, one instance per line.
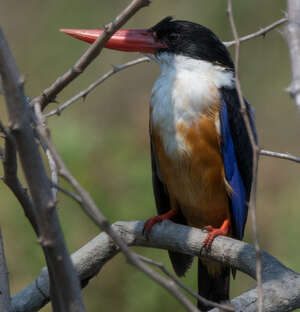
x=237 y=156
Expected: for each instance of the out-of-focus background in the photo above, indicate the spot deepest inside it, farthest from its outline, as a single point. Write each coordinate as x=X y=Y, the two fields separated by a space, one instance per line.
x=104 y=139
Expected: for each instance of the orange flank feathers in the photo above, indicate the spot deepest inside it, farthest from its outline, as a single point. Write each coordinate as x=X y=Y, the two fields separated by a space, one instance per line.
x=196 y=180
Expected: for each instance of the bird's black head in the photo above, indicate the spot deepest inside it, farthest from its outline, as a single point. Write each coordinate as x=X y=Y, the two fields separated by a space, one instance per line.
x=191 y=39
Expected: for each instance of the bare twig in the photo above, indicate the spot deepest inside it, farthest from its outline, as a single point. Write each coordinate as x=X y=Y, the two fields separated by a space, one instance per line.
x=292 y=36
x=65 y=288
x=92 y=52
x=224 y=307
x=280 y=155
x=5 y=301
x=54 y=175
x=281 y=285
x=51 y=162
x=83 y=94
x=261 y=32
x=10 y=178
x=255 y=149
x=68 y=193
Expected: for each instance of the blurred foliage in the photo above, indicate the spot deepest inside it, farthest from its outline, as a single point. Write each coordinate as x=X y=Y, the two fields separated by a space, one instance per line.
x=104 y=139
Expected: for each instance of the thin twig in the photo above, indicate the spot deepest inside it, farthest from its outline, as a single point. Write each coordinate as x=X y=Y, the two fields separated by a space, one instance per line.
x=10 y=178
x=83 y=94
x=91 y=53
x=280 y=155
x=51 y=162
x=261 y=32
x=68 y=193
x=224 y=307
x=255 y=149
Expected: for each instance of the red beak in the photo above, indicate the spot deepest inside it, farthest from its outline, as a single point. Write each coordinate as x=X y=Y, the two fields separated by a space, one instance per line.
x=137 y=40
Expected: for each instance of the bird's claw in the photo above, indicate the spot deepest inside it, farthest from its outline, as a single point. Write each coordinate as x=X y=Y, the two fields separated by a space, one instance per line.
x=213 y=233
x=149 y=225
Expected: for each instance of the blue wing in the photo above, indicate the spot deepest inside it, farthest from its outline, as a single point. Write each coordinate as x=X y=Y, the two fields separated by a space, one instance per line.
x=237 y=157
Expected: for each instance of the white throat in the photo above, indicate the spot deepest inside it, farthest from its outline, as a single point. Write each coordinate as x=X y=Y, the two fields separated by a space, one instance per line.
x=183 y=92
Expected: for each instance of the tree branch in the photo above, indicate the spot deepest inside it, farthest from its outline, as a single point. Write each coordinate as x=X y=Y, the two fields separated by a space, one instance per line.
x=92 y=52
x=261 y=32
x=280 y=155
x=5 y=300
x=223 y=307
x=292 y=36
x=65 y=290
x=255 y=157
x=84 y=93
x=10 y=178
x=281 y=286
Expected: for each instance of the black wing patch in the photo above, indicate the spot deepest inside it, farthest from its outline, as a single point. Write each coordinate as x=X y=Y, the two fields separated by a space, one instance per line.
x=239 y=133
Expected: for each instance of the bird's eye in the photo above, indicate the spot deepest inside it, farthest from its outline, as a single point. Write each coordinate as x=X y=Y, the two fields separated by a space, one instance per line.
x=173 y=36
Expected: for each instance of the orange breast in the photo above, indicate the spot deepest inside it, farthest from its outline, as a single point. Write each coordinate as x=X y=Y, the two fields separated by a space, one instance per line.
x=195 y=177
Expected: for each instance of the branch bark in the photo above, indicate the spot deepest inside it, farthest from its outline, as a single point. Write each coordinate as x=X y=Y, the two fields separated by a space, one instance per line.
x=10 y=178
x=65 y=289
x=292 y=36
x=5 y=301
x=281 y=286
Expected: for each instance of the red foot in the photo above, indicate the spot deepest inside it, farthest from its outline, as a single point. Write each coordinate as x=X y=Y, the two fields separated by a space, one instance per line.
x=157 y=219
x=214 y=232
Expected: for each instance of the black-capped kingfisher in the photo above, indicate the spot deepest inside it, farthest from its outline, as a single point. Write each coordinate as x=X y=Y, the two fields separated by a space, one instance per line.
x=200 y=148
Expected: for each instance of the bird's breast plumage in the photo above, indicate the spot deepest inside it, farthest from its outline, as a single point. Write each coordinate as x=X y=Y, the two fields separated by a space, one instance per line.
x=186 y=90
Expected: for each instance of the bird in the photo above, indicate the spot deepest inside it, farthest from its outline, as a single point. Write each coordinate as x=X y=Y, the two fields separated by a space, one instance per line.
x=201 y=151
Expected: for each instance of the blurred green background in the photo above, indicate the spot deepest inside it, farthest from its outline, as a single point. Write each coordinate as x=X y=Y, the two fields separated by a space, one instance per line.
x=104 y=139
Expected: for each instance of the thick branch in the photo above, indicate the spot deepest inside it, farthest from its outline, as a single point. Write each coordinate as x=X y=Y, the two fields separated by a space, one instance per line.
x=5 y=301
x=66 y=289
x=292 y=36
x=280 y=284
x=92 y=52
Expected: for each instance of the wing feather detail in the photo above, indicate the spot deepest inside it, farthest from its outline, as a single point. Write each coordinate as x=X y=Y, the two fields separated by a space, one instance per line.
x=237 y=155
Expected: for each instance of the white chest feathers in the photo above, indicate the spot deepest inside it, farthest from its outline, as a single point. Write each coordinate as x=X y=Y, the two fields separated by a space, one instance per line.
x=182 y=93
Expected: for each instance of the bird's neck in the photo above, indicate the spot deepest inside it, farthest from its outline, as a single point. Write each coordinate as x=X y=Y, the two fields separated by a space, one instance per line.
x=186 y=89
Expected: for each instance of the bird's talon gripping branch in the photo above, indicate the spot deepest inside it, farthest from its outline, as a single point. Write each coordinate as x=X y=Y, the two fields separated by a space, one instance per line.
x=149 y=224
x=214 y=232
x=157 y=219
x=208 y=228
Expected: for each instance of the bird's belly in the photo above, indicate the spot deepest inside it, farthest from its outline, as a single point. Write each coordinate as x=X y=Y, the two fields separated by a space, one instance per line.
x=195 y=177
